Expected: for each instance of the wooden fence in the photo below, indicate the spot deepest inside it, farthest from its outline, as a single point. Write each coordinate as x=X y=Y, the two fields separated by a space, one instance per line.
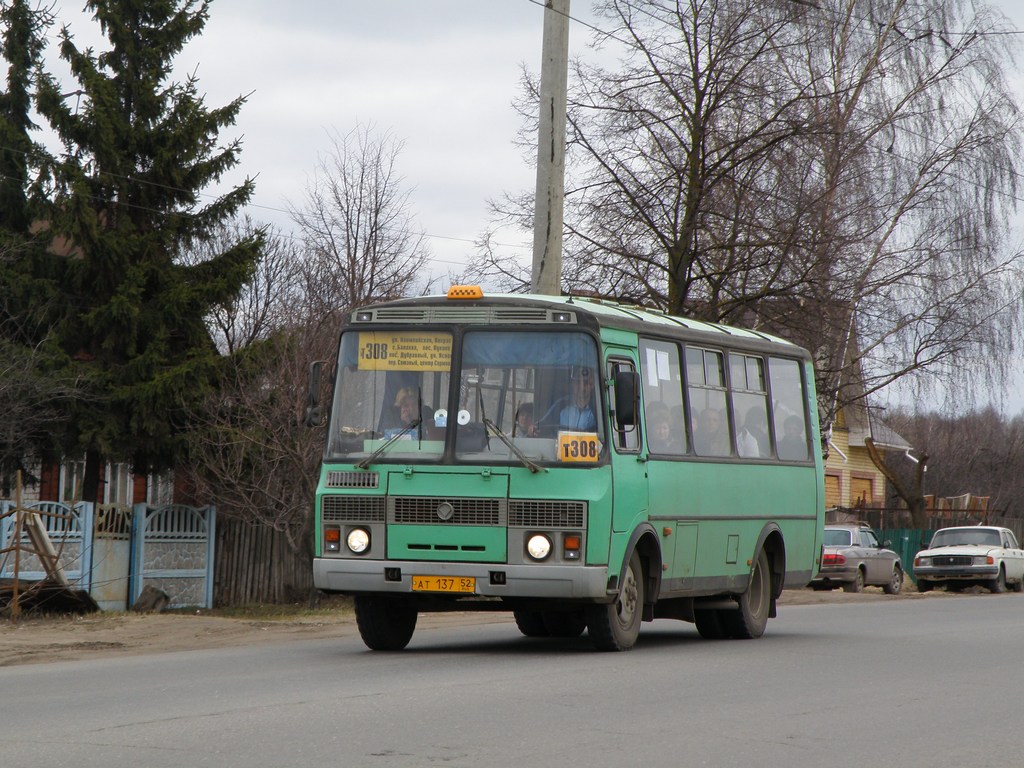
x=256 y=564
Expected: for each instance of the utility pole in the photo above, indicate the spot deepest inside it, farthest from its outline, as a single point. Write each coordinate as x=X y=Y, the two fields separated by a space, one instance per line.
x=546 y=277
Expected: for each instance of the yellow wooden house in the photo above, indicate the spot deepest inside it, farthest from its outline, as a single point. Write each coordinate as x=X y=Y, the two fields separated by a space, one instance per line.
x=851 y=478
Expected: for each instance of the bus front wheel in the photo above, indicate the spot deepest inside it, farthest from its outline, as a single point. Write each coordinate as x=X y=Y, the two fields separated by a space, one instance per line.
x=385 y=623
x=751 y=617
x=616 y=625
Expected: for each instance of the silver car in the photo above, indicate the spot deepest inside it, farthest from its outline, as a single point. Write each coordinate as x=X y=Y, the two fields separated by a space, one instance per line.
x=964 y=556
x=853 y=558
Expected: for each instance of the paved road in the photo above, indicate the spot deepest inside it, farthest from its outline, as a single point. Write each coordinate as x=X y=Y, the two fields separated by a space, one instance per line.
x=928 y=682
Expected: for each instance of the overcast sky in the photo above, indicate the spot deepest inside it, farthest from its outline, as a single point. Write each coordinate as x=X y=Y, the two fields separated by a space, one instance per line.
x=439 y=74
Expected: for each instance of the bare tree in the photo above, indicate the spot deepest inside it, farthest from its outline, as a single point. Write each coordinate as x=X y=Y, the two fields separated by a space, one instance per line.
x=269 y=300
x=356 y=222
x=251 y=450
x=913 y=184
x=978 y=453
x=839 y=172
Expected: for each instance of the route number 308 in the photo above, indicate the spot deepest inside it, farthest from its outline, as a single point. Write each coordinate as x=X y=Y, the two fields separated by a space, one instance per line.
x=579 y=448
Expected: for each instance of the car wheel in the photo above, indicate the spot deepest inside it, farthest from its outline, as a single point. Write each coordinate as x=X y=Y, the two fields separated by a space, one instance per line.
x=616 y=626
x=895 y=583
x=385 y=623
x=857 y=585
x=998 y=584
x=924 y=586
x=1018 y=586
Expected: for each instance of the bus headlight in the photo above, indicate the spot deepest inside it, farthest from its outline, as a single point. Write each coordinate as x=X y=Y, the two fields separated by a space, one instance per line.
x=358 y=540
x=538 y=546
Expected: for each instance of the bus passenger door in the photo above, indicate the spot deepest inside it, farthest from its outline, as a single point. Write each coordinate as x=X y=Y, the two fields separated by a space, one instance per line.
x=629 y=468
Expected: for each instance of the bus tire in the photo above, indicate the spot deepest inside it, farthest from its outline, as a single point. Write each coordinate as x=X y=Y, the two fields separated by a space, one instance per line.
x=564 y=623
x=385 y=623
x=615 y=626
x=754 y=605
x=709 y=623
x=531 y=623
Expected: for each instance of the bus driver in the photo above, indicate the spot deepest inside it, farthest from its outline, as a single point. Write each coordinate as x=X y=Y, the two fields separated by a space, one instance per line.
x=578 y=414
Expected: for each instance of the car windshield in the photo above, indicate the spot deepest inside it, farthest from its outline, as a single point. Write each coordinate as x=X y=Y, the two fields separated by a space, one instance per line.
x=952 y=537
x=837 y=537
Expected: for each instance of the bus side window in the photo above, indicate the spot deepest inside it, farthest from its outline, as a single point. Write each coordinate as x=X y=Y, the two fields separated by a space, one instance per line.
x=750 y=405
x=625 y=402
x=665 y=423
x=705 y=379
x=788 y=397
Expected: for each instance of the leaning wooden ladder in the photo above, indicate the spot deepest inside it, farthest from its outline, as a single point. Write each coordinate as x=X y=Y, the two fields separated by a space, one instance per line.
x=30 y=522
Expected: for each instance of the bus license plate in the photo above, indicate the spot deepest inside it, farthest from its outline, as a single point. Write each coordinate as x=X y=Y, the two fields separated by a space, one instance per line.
x=464 y=584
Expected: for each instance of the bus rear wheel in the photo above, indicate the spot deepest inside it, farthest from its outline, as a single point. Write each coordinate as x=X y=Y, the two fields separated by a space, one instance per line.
x=565 y=623
x=616 y=625
x=385 y=623
x=709 y=623
x=754 y=605
x=531 y=623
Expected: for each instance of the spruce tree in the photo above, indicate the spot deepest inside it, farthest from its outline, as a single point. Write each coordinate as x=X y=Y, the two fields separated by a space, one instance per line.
x=127 y=204
x=31 y=397
x=21 y=46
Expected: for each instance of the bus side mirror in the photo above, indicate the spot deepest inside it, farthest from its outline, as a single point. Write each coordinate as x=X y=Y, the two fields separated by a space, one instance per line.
x=625 y=397
x=314 y=411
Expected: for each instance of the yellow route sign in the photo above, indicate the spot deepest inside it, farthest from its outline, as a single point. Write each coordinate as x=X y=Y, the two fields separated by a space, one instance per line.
x=578 y=447
x=404 y=351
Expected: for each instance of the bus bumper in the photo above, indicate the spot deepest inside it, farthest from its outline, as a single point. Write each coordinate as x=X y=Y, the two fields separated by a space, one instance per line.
x=492 y=579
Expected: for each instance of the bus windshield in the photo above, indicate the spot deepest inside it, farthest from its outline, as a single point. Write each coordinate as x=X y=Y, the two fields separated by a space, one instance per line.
x=517 y=395
x=530 y=388
x=392 y=388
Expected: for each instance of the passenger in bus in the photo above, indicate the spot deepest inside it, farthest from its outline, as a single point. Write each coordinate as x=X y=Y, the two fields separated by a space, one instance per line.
x=578 y=414
x=752 y=439
x=659 y=430
x=793 y=445
x=408 y=406
x=525 y=426
x=709 y=439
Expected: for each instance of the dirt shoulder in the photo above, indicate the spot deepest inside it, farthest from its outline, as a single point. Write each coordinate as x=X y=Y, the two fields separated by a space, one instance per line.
x=35 y=640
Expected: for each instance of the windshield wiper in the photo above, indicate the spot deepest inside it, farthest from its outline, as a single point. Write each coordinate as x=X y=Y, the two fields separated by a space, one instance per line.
x=527 y=461
x=365 y=463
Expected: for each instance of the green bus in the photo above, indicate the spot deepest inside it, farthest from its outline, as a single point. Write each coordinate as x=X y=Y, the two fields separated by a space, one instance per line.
x=583 y=464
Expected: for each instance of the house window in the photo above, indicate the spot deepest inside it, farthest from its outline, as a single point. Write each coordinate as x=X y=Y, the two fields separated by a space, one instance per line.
x=119 y=484
x=160 y=490
x=862 y=491
x=71 y=474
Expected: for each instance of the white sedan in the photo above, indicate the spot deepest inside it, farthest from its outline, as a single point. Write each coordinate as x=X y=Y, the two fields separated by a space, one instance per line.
x=965 y=556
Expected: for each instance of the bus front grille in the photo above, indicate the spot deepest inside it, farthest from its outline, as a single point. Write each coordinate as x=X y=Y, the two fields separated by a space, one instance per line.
x=336 y=479
x=547 y=514
x=353 y=509
x=426 y=510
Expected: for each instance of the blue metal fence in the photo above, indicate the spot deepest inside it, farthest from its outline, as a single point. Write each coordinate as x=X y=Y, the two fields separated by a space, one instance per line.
x=113 y=553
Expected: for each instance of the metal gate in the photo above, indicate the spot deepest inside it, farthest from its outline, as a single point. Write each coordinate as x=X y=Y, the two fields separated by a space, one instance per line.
x=71 y=532
x=173 y=552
